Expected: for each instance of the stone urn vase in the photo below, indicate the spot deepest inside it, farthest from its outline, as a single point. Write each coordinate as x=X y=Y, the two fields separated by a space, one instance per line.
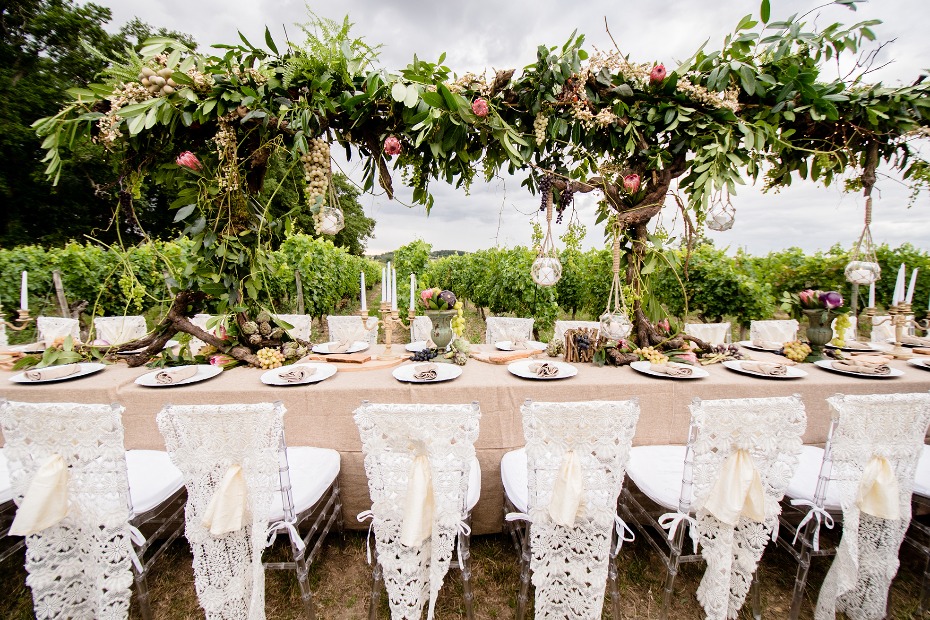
x=819 y=331
x=441 y=333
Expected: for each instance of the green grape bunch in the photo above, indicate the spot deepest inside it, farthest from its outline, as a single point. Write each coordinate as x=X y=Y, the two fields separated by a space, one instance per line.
x=796 y=350
x=458 y=321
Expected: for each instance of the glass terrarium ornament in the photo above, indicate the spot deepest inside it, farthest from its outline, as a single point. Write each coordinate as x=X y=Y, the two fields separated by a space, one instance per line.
x=863 y=266
x=721 y=216
x=547 y=269
x=615 y=323
x=329 y=219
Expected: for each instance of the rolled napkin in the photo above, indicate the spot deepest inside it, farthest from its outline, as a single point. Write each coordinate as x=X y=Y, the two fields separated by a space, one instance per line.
x=46 y=499
x=52 y=372
x=862 y=368
x=879 y=493
x=544 y=369
x=567 y=492
x=852 y=345
x=762 y=368
x=671 y=371
x=916 y=341
x=296 y=375
x=737 y=490
x=425 y=372
x=770 y=345
x=228 y=508
x=874 y=360
x=170 y=377
x=339 y=347
x=419 y=504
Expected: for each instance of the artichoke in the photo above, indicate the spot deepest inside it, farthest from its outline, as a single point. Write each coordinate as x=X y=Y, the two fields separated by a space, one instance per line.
x=249 y=328
x=263 y=317
x=277 y=333
x=255 y=339
x=447 y=297
x=264 y=328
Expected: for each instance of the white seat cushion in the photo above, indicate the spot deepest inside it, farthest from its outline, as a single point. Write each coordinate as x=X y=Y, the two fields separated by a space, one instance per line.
x=6 y=491
x=474 y=484
x=153 y=478
x=804 y=483
x=514 y=476
x=921 y=478
x=657 y=472
x=312 y=471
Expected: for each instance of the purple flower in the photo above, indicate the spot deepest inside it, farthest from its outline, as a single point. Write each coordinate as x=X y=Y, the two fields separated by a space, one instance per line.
x=831 y=300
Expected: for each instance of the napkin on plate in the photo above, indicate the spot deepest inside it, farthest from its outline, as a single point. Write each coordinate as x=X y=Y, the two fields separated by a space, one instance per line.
x=170 y=377
x=769 y=345
x=671 y=371
x=544 y=369
x=296 y=375
x=340 y=347
x=425 y=372
x=852 y=345
x=52 y=372
x=862 y=368
x=762 y=368
x=915 y=340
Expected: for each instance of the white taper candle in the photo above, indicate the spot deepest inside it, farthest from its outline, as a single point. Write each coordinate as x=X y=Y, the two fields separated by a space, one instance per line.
x=363 y=295
x=872 y=294
x=413 y=286
x=898 y=287
x=24 y=292
x=393 y=289
x=910 y=289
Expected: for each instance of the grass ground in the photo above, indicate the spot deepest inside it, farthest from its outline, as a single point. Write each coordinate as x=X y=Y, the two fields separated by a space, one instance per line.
x=341 y=584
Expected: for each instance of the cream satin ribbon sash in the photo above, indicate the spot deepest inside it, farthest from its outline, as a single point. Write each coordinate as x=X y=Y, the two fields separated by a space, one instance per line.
x=737 y=491
x=419 y=504
x=879 y=493
x=46 y=500
x=567 y=492
x=228 y=508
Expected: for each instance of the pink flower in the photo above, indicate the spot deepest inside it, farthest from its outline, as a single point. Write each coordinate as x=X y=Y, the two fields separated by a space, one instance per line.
x=807 y=298
x=221 y=359
x=687 y=358
x=657 y=75
x=631 y=183
x=391 y=146
x=664 y=325
x=480 y=107
x=188 y=160
x=426 y=295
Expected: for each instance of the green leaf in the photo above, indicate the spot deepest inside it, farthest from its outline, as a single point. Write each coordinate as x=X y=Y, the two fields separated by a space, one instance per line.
x=183 y=212
x=398 y=92
x=270 y=42
x=765 y=11
x=432 y=98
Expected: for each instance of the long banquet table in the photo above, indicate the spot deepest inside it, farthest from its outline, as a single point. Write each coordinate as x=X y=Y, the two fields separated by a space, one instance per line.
x=321 y=414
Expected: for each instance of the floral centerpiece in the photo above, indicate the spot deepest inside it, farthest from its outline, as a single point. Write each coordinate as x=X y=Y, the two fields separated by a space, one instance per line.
x=446 y=313
x=820 y=307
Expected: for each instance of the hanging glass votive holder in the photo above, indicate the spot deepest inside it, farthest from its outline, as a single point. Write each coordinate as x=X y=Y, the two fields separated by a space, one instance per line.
x=546 y=270
x=721 y=216
x=330 y=220
x=862 y=272
x=615 y=325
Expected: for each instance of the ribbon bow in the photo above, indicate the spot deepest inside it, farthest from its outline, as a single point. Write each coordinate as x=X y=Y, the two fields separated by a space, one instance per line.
x=622 y=528
x=817 y=513
x=671 y=520
x=362 y=517
x=291 y=527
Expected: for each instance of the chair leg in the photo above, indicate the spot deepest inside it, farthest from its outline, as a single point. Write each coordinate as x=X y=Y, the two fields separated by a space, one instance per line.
x=800 y=582
x=465 y=558
x=142 y=594
x=525 y=556
x=300 y=559
x=613 y=583
x=924 y=589
x=756 y=594
x=377 y=582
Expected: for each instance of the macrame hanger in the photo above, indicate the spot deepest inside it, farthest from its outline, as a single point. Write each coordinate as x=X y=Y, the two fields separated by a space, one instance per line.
x=546 y=269
x=616 y=290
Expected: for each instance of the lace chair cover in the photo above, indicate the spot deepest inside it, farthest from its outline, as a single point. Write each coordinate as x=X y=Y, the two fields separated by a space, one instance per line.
x=888 y=425
x=80 y=567
x=390 y=434
x=120 y=329
x=570 y=564
x=561 y=327
x=51 y=327
x=770 y=429
x=882 y=329
x=200 y=320
x=203 y=442
x=420 y=328
x=507 y=328
x=342 y=328
x=301 y=325
x=774 y=331
x=711 y=333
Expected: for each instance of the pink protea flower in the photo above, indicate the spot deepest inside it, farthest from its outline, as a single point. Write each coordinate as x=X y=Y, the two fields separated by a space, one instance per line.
x=664 y=325
x=426 y=295
x=808 y=298
x=657 y=75
x=391 y=146
x=221 y=359
x=188 y=160
x=480 y=107
x=631 y=183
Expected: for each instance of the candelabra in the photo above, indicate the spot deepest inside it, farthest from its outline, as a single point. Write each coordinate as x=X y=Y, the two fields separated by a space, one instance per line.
x=390 y=320
x=899 y=319
x=22 y=318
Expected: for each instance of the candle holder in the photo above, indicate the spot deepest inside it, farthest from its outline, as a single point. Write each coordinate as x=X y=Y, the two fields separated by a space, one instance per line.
x=898 y=317
x=22 y=318
x=390 y=320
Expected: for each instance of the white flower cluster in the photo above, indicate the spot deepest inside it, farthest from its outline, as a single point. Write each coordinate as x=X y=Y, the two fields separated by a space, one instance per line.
x=471 y=82
x=317 y=169
x=249 y=73
x=202 y=82
x=123 y=95
x=700 y=94
x=226 y=145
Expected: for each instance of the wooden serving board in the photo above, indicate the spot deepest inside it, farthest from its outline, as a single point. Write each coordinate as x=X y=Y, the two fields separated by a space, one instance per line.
x=371 y=364
x=503 y=357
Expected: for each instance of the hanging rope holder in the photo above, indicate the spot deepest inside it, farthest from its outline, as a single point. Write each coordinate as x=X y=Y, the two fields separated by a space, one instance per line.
x=615 y=322
x=547 y=269
x=330 y=219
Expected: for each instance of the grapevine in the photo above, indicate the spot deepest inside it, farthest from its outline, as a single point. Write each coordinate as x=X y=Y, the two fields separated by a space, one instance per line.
x=545 y=186
x=540 y=123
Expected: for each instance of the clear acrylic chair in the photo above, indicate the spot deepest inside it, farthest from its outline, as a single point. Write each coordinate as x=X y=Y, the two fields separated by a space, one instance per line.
x=774 y=331
x=119 y=329
x=287 y=488
x=84 y=564
x=711 y=333
x=420 y=328
x=9 y=545
x=50 y=328
x=869 y=434
x=561 y=327
x=683 y=485
x=918 y=534
x=500 y=328
x=301 y=325
x=571 y=563
x=414 y=452
x=353 y=327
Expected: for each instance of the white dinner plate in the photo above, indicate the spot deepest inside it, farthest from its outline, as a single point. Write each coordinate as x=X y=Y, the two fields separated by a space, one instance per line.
x=507 y=345
x=86 y=368
x=323 y=371
x=355 y=347
x=29 y=348
x=521 y=368
x=920 y=363
x=793 y=372
x=864 y=347
x=415 y=346
x=828 y=365
x=444 y=372
x=204 y=372
x=168 y=345
x=643 y=367
x=905 y=344
x=747 y=344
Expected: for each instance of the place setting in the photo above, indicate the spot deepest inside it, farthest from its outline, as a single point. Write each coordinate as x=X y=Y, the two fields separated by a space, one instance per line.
x=862 y=366
x=298 y=374
x=519 y=345
x=64 y=372
x=336 y=346
x=764 y=370
x=429 y=372
x=179 y=375
x=670 y=370
x=765 y=346
x=535 y=369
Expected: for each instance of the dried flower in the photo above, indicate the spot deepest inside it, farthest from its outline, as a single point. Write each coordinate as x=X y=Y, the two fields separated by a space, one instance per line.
x=391 y=146
x=480 y=107
x=657 y=75
x=188 y=160
x=631 y=183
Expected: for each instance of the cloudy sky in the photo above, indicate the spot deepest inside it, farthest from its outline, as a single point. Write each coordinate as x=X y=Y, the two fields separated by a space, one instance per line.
x=479 y=36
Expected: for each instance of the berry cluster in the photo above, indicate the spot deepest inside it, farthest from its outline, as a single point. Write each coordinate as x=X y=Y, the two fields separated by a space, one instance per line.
x=270 y=358
x=797 y=351
x=650 y=354
x=424 y=355
x=317 y=168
